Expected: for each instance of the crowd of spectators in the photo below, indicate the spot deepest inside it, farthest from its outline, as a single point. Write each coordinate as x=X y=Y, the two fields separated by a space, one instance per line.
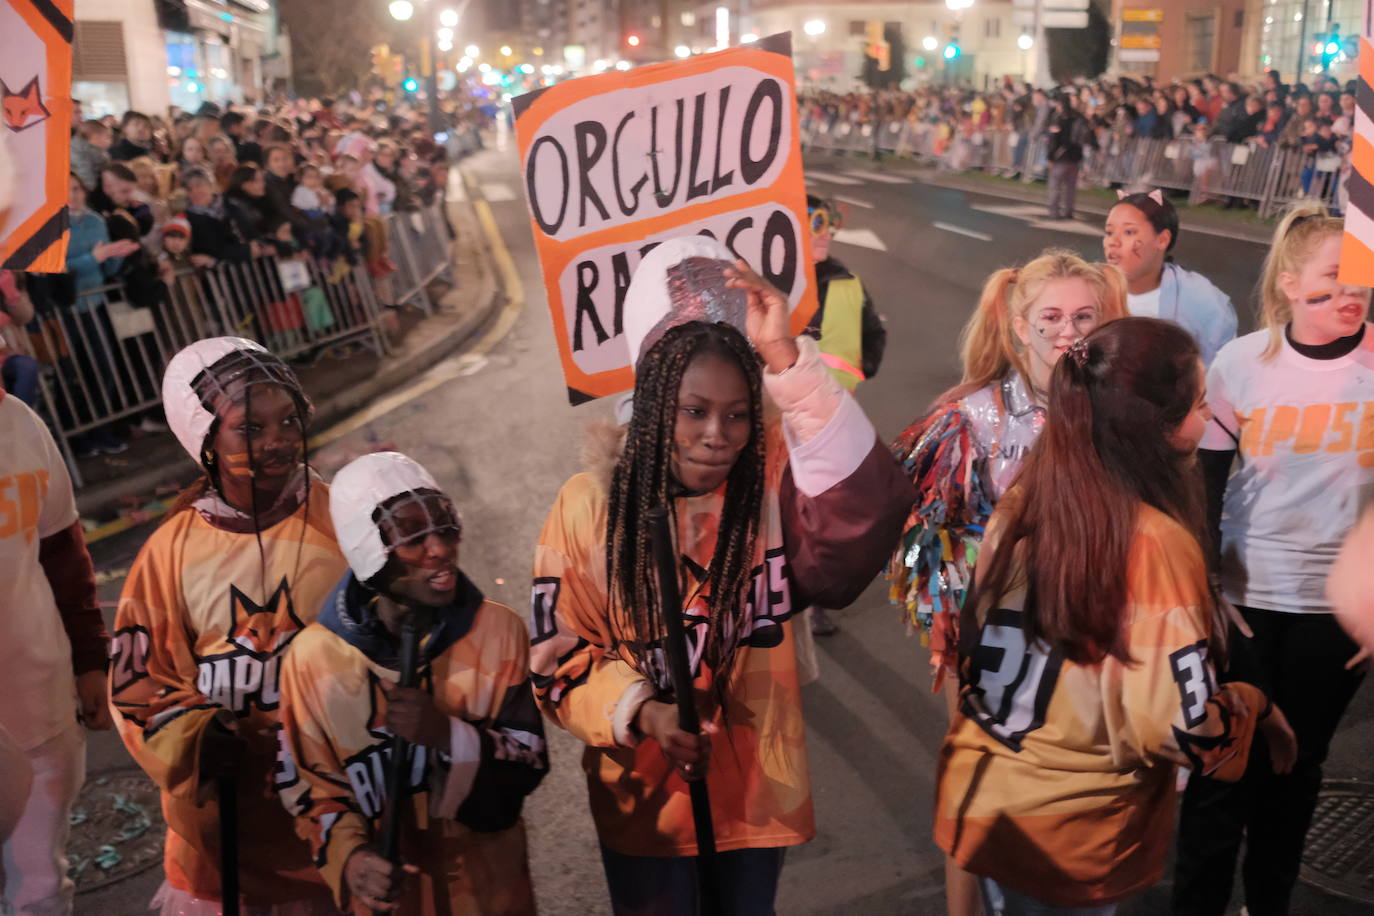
x=1316 y=119
x=155 y=201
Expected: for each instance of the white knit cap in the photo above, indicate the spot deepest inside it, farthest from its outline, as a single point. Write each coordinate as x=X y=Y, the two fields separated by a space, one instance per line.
x=364 y=485
x=187 y=414
x=649 y=306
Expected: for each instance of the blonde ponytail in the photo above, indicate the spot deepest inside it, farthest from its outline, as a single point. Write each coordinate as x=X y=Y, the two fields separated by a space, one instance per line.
x=1304 y=226
x=986 y=347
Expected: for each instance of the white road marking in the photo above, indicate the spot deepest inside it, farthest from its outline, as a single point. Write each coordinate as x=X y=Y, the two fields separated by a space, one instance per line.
x=497 y=192
x=852 y=201
x=832 y=178
x=881 y=177
x=960 y=230
x=863 y=238
x=1077 y=227
x=1020 y=211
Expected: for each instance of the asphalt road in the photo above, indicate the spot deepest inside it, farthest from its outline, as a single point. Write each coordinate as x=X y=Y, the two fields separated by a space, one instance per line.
x=500 y=437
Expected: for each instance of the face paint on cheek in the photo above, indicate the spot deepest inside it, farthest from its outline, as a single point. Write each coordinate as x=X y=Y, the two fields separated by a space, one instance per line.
x=1320 y=296
x=236 y=464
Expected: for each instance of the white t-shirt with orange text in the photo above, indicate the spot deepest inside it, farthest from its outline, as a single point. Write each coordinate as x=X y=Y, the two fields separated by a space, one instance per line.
x=36 y=501
x=1305 y=431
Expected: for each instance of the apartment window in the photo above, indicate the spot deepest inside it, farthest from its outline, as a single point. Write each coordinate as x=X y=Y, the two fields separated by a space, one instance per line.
x=857 y=28
x=992 y=28
x=1199 y=39
x=689 y=19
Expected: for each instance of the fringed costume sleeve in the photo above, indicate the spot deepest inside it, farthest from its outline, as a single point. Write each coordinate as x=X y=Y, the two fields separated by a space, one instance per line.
x=931 y=568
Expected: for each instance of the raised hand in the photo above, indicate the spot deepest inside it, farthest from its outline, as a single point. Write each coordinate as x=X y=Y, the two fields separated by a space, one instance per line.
x=767 y=321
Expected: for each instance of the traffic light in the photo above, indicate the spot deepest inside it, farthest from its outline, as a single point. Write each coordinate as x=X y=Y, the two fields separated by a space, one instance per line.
x=411 y=84
x=632 y=40
x=1332 y=48
x=952 y=50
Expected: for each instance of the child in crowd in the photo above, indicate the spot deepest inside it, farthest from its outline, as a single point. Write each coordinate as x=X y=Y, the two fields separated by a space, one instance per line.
x=1317 y=140
x=311 y=197
x=176 y=266
x=18 y=370
x=91 y=151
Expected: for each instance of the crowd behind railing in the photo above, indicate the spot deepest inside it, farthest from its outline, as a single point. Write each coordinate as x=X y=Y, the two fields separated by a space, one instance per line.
x=301 y=225
x=1261 y=146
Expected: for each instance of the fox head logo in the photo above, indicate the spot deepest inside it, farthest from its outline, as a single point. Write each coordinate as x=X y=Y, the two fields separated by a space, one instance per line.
x=25 y=108
x=262 y=629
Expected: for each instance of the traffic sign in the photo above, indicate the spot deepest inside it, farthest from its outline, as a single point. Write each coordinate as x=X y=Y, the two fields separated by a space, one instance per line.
x=1052 y=19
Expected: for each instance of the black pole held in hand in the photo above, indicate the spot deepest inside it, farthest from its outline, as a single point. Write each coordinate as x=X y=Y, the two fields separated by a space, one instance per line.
x=399 y=764
x=680 y=671
x=227 y=785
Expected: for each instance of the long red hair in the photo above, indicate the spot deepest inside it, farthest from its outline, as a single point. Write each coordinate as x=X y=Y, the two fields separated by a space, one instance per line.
x=1065 y=530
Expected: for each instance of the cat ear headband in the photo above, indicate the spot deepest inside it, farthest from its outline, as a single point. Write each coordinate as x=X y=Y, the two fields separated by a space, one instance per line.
x=1156 y=195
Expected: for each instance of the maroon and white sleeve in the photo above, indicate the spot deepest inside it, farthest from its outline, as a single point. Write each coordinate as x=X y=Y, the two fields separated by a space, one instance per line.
x=844 y=498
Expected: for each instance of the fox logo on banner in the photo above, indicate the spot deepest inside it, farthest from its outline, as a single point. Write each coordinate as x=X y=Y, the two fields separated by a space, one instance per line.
x=616 y=163
x=35 y=133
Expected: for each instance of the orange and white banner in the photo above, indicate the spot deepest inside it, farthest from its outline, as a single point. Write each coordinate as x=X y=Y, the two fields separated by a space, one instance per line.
x=615 y=163
x=36 y=82
x=1357 y=252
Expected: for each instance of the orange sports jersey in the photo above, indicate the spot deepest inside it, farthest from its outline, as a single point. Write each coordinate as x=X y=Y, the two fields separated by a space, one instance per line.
x=831 y=511
x=203 y=624
x=1057 y=779
x=462 y=825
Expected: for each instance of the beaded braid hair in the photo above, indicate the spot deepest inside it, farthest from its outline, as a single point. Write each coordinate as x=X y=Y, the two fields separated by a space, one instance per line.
x=643 y=480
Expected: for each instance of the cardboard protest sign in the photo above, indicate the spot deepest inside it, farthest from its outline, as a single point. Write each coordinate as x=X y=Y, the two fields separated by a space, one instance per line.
x=613 y=164
x=36 y=89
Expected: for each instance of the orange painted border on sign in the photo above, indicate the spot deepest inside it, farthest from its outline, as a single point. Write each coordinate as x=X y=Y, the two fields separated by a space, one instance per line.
x=56 y=86
x=788 y=191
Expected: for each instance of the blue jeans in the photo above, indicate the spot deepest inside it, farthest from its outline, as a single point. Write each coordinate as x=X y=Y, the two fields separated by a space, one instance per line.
x=20 y=377
x=1002 y=901
x=667 y=885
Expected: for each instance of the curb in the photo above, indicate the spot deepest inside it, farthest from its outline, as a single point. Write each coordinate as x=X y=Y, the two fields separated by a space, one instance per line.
x=98 y=500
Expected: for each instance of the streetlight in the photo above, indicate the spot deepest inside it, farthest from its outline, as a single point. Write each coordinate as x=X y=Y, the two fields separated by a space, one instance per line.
x=930 y=43
x=814 y=27
x=505 y=50
x=445 y=45
x=471 y=51
x=682 y=51
x=445 y=35
x=1025 y=42
x=448 y=19
x=401 y=10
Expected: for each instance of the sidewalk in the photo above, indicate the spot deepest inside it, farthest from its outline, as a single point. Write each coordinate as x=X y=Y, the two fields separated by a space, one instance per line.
x=1206 y=219
x=124 y=490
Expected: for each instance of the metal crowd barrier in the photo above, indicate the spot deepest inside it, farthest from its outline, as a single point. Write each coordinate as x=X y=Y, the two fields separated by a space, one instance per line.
x=103 y=357
x=420 y=245
x=1271 y=177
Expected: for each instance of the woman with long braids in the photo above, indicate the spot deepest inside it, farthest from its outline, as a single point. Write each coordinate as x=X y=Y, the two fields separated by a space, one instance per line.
x=1087 y=648
x=781 y=495
x=965 y=452
x=242 y=563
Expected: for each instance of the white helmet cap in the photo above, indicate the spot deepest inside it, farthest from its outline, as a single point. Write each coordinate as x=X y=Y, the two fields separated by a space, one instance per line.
x=650 y=306
x=357 y=492
x=184 y=392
